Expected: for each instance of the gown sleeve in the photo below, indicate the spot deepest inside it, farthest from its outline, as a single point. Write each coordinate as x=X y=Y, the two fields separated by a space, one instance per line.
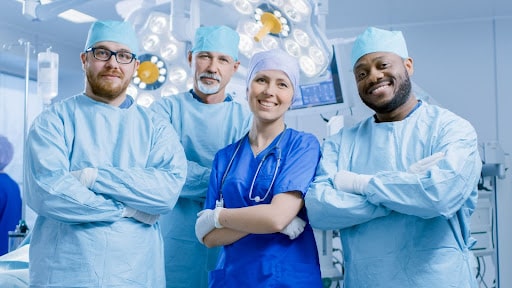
x=153 y=189
x=442 y=189
x=329 y=208
x=51 y=191
x=298 y=168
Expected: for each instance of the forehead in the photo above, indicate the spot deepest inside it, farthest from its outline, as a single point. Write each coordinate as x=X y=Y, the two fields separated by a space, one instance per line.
x=114 y=46
x=376 y=57
x=214 y=54
x=274 y=73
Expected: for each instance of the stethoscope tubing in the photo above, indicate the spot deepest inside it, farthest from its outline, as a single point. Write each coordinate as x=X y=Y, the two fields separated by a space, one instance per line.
x=276 y=147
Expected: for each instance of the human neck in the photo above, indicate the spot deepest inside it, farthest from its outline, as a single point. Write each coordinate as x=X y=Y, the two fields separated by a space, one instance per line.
x=211 y=98
x=118 y=100
x=260 y=136
x=400 y=113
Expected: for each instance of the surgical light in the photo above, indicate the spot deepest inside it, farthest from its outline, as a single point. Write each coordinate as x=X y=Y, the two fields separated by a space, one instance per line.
x=178 y=75
x=300 y=6
x=145 y=99
x=261 y=24
x=169 y=90
x=287 y=24
x=151 y=42
x=243 y=6
x=163 y=68
x=158 y=24
x=151 y=74
x=301 y=37
x=169 y=52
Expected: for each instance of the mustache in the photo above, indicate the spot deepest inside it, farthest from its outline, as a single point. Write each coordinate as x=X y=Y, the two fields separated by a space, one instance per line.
x=210 y=75
x=113 y=72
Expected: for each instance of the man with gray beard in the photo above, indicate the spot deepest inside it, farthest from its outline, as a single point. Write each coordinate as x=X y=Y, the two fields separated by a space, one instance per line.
x=206 y=119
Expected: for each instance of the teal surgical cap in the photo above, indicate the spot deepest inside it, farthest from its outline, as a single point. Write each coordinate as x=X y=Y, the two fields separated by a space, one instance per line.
x=220 y=39
x=275 y=59
x=378 y=40
x=113 y=31
x=6 y=152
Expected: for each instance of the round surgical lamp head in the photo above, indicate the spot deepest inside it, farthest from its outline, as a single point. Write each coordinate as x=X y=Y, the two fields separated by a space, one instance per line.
x=151 y=74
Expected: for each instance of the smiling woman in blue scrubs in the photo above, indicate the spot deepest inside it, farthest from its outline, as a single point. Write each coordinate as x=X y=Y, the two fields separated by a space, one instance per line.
x=254 y=206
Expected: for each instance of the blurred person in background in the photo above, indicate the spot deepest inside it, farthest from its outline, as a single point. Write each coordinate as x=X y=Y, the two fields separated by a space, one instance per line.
x=10 y=197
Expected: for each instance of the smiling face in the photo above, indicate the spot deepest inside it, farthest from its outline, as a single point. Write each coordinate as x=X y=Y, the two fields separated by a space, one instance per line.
x=270 y=95
x=107 y=81
x=383 y=81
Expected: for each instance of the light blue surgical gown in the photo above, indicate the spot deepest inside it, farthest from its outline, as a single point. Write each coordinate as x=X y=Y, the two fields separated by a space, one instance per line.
x=80 y=238
x=266 y=260
x=203 y=130
x=408 y=230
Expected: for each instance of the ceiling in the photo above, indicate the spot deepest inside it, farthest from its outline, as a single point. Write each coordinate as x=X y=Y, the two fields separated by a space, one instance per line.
x=67 y=38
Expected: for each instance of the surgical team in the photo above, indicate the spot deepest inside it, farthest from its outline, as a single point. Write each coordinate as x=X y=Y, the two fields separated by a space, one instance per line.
x=203 y=190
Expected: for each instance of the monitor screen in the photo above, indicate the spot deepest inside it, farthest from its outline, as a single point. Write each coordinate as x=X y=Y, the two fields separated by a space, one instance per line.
x=324 y=92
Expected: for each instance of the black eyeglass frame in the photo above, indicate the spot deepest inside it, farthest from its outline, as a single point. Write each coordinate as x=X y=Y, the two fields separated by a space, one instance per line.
x=112 y=53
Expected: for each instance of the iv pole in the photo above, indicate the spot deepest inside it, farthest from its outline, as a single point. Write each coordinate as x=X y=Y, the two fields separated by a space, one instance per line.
x=25 y=117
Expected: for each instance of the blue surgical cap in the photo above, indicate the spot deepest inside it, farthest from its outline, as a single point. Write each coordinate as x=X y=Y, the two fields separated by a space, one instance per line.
x=378 y=40
x=6 y=152
x=275 y=59
x=113 y=31
x=220 y=39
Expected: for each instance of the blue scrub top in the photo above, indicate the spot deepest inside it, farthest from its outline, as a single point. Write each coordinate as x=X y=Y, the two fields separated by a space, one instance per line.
x=266 y=260
x=10 y=209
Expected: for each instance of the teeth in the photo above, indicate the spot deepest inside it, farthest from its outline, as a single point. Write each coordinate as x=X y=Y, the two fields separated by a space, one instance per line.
x=267 y=104
x=378 y=89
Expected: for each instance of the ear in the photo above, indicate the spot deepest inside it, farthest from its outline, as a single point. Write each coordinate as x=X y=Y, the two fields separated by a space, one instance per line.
x=409 y=66
x=189 y=58
x=83 y=58
x=237 y=64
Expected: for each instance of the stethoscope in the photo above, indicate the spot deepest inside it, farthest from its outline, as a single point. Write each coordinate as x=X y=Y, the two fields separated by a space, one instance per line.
x=257 y=199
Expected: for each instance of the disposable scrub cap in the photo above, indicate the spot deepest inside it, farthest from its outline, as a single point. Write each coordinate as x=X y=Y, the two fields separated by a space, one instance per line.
x=113 y=31
x=275 y=59
x=6 y=152
x=220 y=39
x=378 y=40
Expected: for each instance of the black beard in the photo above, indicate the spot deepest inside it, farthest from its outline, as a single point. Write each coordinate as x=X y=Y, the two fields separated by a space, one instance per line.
x=401 y=96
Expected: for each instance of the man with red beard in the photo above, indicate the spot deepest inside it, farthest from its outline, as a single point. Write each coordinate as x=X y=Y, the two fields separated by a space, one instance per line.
x=99 y=172
x=400 y=185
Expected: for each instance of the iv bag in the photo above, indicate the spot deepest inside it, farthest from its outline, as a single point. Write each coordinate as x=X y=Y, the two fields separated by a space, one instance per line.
x=47 y=75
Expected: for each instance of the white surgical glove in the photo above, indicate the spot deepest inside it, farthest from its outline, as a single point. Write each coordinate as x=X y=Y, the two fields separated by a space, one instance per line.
x=426 y=163
x=86 y=176
x=351 y=182
x=207 y=220
x=294 y=228
x=140 y=216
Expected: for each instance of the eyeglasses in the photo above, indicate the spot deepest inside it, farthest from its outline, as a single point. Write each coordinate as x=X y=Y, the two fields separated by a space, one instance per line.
x=122 y=57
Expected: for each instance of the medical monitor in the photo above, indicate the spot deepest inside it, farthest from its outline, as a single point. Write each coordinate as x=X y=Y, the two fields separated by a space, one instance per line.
x=324 y=91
